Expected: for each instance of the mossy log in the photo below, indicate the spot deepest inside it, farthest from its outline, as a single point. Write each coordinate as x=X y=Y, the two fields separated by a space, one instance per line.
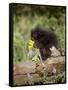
x=52 y=66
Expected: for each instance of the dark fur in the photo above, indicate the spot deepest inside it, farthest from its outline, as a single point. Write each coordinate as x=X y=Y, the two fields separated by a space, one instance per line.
x=44 y=40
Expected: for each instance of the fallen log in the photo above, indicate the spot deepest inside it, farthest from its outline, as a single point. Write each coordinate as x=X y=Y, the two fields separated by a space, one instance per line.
x=53 y=66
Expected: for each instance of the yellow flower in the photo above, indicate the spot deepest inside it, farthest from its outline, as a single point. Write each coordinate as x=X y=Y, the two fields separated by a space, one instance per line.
x=30 y=44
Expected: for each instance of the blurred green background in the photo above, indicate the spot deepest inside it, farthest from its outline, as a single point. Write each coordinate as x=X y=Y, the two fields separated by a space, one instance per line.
x=26 y=17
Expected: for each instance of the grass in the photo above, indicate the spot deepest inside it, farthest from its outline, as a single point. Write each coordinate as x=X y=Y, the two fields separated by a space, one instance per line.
x=22 y=30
